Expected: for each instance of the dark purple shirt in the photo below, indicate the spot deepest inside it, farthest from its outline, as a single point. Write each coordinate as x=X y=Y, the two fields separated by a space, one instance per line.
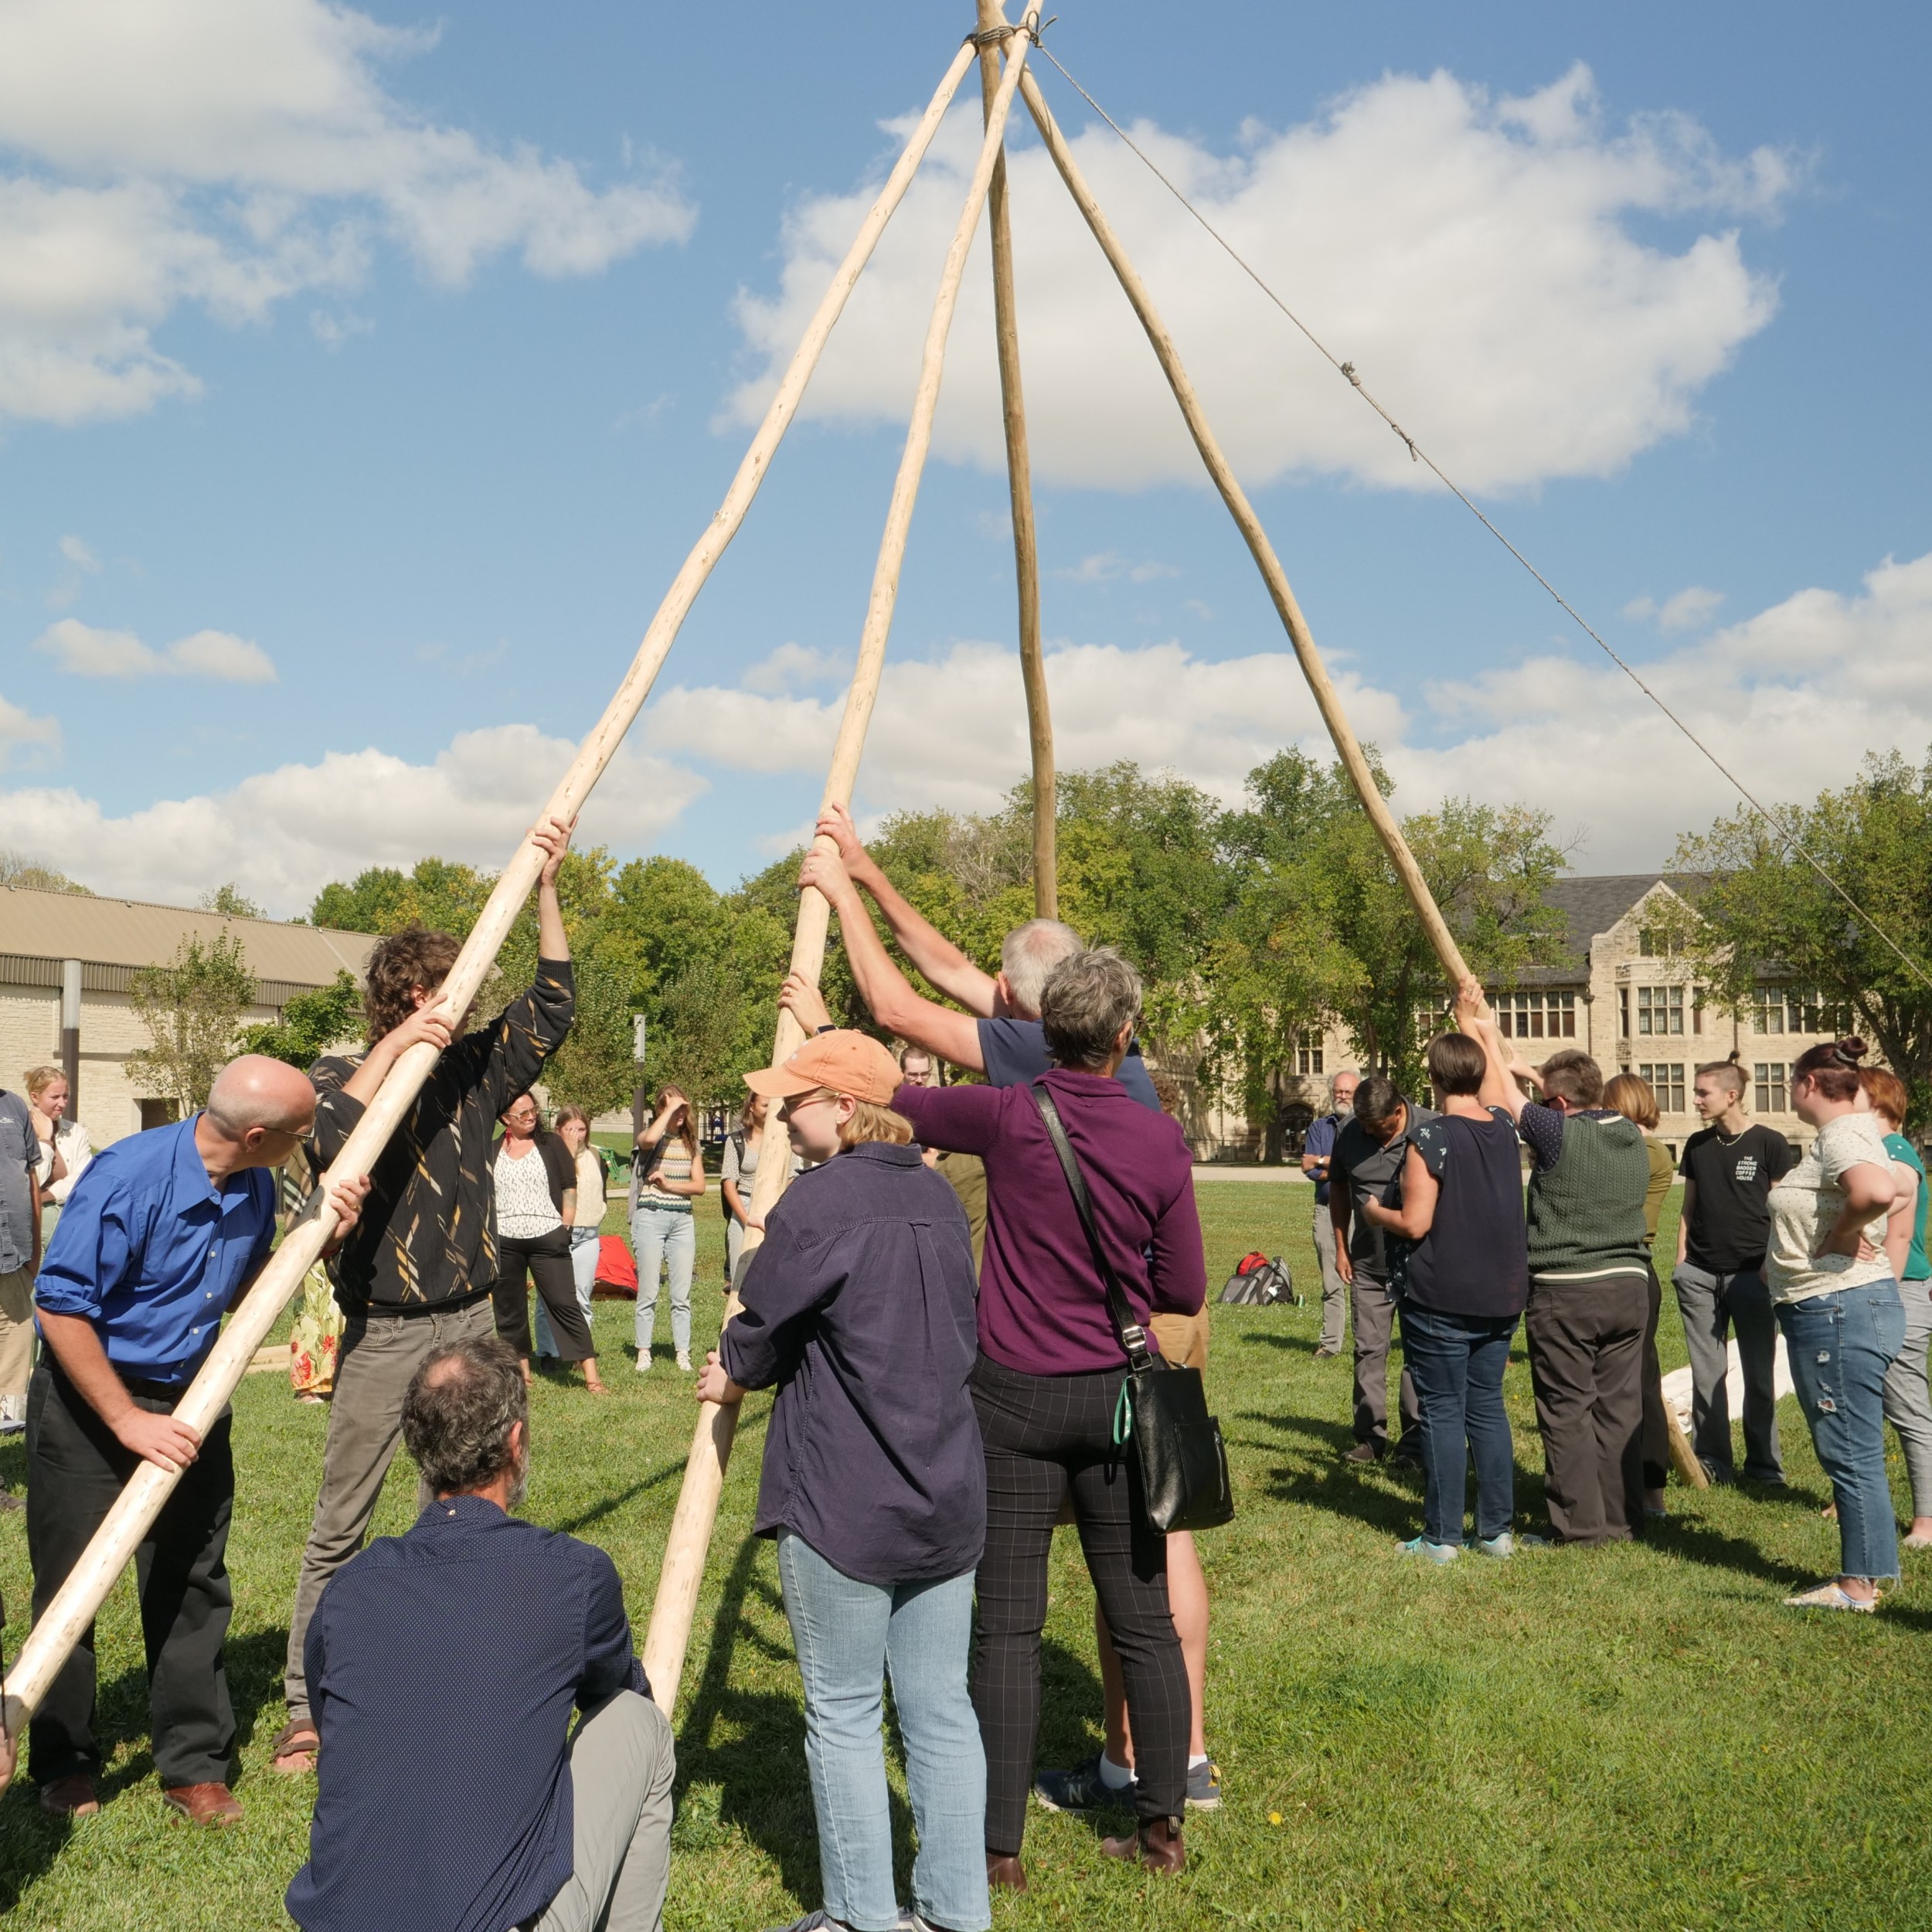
x=1042 y=1307
x=859 y=1304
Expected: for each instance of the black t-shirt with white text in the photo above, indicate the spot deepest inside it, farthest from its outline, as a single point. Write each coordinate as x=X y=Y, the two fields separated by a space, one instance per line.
x=1729 y=1225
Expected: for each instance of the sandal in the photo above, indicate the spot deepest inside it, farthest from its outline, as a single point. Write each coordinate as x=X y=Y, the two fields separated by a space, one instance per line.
x=1830 y=1597
x=296 y=1747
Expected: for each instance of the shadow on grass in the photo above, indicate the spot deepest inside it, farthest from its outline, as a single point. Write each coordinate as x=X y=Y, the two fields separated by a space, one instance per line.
x=608 y=1506
x=1298 y=1344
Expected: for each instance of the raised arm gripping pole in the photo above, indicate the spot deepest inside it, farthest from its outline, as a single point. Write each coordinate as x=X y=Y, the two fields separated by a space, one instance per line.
x=58 y=1630
x=1256 y=538
x=690 y=1541
x=1019 y=479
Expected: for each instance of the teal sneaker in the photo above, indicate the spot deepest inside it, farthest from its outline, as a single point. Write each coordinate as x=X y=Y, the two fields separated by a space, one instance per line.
x=1499 y=1546
x=1436 y=1553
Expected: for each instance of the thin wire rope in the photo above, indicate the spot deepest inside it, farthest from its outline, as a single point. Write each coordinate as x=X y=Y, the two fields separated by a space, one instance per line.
x=1782 y=833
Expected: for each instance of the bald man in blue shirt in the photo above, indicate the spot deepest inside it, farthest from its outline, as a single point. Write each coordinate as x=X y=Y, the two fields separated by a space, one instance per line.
x=164 y=1233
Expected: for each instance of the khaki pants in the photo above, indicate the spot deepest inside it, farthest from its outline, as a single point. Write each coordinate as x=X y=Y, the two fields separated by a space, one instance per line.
x=16 y=1337
x=378 y=1355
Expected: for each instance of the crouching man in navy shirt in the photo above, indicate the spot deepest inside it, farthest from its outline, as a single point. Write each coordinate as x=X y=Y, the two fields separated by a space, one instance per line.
x=463 y=1646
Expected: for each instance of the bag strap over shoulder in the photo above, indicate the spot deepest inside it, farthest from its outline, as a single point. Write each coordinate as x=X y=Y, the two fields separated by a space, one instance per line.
x=1133 y=1337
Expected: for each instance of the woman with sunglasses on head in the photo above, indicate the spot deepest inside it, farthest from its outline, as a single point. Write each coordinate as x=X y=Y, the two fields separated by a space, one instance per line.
x=667 y=1177
x=858 y=1306
x=1838 y=1303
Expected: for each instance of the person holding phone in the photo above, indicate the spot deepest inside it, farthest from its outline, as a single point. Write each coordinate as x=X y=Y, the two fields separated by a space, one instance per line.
x=666 y=1178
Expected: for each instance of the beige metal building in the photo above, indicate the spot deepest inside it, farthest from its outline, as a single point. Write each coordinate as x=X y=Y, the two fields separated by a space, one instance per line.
x=1624 y=998
x=60 y=951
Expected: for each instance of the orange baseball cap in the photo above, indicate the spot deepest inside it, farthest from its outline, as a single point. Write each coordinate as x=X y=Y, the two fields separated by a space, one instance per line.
x=845 y=1060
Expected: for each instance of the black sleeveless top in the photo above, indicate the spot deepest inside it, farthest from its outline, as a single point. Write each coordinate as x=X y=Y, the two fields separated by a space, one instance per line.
x=1473 y=1259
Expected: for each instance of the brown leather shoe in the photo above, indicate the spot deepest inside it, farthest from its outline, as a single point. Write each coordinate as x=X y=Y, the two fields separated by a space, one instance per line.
x=203 y=1803
x=1005 y=1872
x=71 y=1797
x=1156 y=1845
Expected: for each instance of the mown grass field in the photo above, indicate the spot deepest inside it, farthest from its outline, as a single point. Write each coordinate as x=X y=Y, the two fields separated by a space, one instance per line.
x=1632 y=1738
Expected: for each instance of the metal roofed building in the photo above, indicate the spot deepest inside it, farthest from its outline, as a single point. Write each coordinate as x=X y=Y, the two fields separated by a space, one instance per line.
x=66 y=963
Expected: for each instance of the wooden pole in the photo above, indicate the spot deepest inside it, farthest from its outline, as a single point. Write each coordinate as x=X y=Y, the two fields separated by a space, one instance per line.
x=682 y=1571
x=1019 y=480
x=1256 y=538
x=57 y=1630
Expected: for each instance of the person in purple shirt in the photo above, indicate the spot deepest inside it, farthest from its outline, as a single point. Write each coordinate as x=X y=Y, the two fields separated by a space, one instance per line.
x=859 y=1305
x=1050 y=1375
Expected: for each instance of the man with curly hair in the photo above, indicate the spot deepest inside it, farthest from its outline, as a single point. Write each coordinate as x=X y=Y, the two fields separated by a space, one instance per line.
x=417 y=1273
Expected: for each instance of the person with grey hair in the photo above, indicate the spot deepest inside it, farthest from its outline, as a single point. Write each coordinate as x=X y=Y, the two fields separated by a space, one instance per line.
x=463 y=1647
x=163 y=1234
x=999 y=1034
x=1050 y=1372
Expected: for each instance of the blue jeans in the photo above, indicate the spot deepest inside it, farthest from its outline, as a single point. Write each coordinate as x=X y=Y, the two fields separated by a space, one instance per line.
x=1840 y=1345
x=847 y=1633
x=1457 y=1361
x=583 y=1269
x=666 y=1236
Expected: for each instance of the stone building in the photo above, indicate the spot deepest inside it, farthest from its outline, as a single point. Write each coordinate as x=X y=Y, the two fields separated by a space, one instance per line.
x=61 y=950
x=1624 y=996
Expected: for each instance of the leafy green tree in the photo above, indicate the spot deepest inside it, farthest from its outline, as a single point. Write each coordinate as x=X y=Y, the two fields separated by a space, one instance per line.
x=30 y=876
x=1764 y=914
x=191 y=1009
x=231 y=900
x=310 y=1024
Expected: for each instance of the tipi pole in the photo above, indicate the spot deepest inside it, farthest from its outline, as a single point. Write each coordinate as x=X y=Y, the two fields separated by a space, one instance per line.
x=682 y=1571
x=1020 y=478
x=58 y=1629
x=1249 y=525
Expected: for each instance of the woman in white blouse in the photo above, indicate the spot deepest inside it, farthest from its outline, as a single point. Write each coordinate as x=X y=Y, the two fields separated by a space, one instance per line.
x=65 y=1148
x=535 y=1180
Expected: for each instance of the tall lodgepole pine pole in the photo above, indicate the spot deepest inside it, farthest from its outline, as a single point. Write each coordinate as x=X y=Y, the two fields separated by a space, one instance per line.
x=1326 y=698
x=1019 y=479
x=59 y=1627
x=689 y=1541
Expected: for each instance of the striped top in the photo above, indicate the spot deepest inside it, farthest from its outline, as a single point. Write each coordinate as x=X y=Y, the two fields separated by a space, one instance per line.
x=670 y=1161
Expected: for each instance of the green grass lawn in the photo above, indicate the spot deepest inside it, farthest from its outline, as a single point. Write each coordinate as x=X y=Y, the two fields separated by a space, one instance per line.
x=1634 y=1737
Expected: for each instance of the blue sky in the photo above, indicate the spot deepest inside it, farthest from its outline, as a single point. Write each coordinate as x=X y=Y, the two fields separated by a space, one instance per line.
x=365 y=375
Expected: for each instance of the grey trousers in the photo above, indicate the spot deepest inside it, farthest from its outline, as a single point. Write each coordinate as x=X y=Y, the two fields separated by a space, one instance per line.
x=1374 y=1312
x=1335 y=1291
x=1907 y=1407
x=378 y=1354
x=622 y=1762
x=1712 y=1305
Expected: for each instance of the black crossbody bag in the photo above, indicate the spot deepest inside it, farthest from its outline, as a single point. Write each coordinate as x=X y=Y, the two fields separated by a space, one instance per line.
x=1163 y=1412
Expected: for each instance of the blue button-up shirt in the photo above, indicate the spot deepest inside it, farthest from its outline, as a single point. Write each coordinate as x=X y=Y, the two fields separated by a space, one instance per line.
x=154 y=1254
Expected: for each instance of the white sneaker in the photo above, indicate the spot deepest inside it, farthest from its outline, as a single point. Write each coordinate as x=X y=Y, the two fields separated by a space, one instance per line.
x=684 y=1363
x=644 y=1361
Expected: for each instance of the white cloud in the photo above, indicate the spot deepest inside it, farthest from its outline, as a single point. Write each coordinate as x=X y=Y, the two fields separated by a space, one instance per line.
x=1478 y=259
x=77 y=553
x=282 y=834
x=25 y=739
x=89 y=653
x=951 y=731
x=1106 y=566
x=228 y=154
x=1790 y=699
x=1691 y=609
x=790 y=666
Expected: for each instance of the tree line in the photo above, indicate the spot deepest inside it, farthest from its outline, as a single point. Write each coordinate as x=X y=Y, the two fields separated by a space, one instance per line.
x=1253 y=925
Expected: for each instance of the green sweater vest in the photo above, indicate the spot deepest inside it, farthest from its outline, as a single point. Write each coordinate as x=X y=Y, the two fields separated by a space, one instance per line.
x=1587 y=1213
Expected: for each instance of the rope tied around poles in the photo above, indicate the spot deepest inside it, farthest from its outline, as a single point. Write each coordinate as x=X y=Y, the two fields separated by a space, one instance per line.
x=1032 y=26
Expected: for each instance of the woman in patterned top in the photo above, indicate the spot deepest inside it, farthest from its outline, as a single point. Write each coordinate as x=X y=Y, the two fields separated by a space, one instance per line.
x=536 y=1202
x=667 y=1176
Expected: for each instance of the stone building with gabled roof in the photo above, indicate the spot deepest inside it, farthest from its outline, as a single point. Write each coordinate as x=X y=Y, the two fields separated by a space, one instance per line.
x=1622 y=993
x=66 y=961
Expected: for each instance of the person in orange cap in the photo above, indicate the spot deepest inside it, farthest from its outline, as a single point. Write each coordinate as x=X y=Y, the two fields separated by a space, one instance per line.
x=859 y=1307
